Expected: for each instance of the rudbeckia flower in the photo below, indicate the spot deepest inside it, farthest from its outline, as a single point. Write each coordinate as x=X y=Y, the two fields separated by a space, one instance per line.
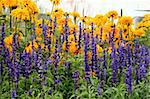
x=112 y=14
x=139 y=32
x=20 y=14
x=57 y=12
x=126 y=20
x=55 y=2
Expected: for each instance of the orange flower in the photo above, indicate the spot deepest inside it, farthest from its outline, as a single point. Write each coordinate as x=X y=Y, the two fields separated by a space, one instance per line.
x=55 y=2
x=75 y=14
x=28 y=47
x=58 y=13
x=20 y=14
x=99 y=20
x=126 y=20
x=139 y=32
x=112 y=14
x=38 y=31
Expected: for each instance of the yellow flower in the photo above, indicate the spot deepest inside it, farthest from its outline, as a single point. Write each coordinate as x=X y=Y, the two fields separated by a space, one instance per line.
x=75 y=14
x=86 y=20
x=139 y=32
x=109 y=50
x=99 y=20
x=31 y=6
x=20 y=14
x=116 y=32
x=9 y=3
x=38 y=38
x=48 y=13
x=73 y=28
x=126 y=20
x=104 y=36
x=99 y=49
x=112 y=14
x=9 y=40
x=107 y=28
x=72 y=46
x=55 y=2
x=38 y=31
x=28 y=47
x=146 y=17
x=39 y=23
x=58 y=13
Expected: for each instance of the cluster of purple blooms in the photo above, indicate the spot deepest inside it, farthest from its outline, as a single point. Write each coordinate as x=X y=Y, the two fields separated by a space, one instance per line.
x=123 y=60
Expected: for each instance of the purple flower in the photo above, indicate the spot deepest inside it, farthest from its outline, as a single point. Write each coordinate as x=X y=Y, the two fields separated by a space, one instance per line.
x=114 y=65
x=27 y=64
x=2 y=35
x=56 y=60
x=86 y=65
x=80 y=36
x=128 y=79
x=75 y=77
x=75 y=38
x=44 y=27
x=13 y=94
x=142 y=70
x=50 y=92
x=101 y=31
x=30 y=92
x=94 y=56
x=66 y=31
x=99 y=88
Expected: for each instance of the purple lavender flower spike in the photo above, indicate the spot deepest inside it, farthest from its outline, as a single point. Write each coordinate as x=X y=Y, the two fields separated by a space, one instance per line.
x=56 y=57
x=93 y=53
x=80 y=36
x=44 y=27
x=2 y=51
x=114 y=65
x=86 y=65
x=75 y=77
x=13 y=94
x=75 y=38
x=3 y=35
x=128 y=79
x=99 y=88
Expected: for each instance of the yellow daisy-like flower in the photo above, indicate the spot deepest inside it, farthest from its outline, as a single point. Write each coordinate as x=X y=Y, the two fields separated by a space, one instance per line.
x=99 y=20
x=99 y=49
x=31 y=6
x=38 y=31
x=73 y=28
x=139 y=32
x=55 y=2
x=20 y=14
x=86 y=20
x=9 y=3
x=48 y=13
x=126 y=20
x=112 y=14
x=107 y=28
x=9 y=40
x=28 y=47
x=58 y=13
x=75 y=14
x=146 y=17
